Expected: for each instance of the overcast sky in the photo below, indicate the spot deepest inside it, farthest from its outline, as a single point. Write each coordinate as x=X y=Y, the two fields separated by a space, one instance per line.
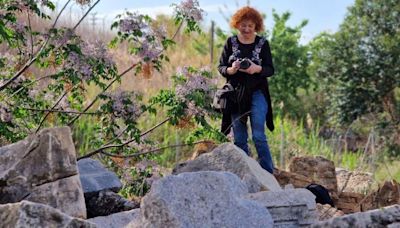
x=322 y=15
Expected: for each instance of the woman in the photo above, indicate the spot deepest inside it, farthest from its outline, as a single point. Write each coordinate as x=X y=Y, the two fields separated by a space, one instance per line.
x=250 y=80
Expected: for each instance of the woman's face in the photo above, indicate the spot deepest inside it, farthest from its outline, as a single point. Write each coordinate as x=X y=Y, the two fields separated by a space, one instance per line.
x=247 y=28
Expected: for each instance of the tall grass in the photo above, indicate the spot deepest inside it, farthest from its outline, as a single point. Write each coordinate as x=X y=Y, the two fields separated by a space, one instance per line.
x=290 y=139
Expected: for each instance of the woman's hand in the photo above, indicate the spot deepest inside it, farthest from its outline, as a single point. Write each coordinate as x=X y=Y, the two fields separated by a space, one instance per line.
x=253 y=69
x=234 y=68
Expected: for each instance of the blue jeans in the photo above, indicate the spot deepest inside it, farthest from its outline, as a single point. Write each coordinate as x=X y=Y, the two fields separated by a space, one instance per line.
x=259 y=109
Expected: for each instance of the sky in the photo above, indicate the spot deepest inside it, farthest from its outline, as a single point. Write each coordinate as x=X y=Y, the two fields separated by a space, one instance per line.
x=322 y=15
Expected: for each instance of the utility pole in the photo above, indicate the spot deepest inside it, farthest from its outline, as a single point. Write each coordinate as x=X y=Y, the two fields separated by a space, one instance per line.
x=94 y=20
x=212 y=43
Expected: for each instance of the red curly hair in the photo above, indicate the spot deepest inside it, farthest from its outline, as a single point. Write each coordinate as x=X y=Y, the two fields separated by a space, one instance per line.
x=247 y=13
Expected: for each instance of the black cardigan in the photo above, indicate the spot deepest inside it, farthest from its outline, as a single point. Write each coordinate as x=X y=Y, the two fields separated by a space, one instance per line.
x=252 y=82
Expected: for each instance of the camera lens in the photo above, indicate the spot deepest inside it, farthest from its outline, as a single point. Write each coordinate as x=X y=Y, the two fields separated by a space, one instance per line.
x=244 y=64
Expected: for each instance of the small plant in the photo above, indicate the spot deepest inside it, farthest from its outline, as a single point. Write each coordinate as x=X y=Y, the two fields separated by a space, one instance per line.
x=139 y=178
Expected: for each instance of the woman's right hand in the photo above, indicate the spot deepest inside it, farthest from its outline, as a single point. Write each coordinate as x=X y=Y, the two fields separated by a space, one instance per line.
x=234 y=68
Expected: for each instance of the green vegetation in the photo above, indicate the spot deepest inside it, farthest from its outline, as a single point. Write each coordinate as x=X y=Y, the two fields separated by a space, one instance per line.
x=337 y=96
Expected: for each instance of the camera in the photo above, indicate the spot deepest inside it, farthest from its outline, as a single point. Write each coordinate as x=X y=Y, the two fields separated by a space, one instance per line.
x=244 y=63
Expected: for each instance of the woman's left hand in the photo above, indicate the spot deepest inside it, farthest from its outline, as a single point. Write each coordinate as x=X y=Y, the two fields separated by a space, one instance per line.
x=253 y=69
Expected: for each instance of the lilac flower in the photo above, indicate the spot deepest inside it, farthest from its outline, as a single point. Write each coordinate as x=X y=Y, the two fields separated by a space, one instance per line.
x=18 y=27
x=195 y=81
x=98 y=50
x=145 y=41
x=160 y=31
x=194 y=110
x=132 y=22
x=93 y=53
x=184 y=71
x=150 y=50
x=5 y=114
x=123 y=105
x=190 y=9
x=78 y=64
x=9 y=61
x=63 y=38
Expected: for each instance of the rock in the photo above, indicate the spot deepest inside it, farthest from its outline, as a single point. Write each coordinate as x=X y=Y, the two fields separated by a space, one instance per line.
x=289 y=207
x=117 y=220
x=96 y=178
x=326 y=212
x=297 y=180
x=201 y=199
x=355 y=181
x=386 y=195
x=42 y=168
x=384 y=217
x=349 y=202
x=29 y=214
x=319 y=169
x=230 y=158
x=202 y=148
x=107 y=202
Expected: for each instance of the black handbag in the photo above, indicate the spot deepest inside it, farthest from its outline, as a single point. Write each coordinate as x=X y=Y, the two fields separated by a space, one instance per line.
x=222 y=97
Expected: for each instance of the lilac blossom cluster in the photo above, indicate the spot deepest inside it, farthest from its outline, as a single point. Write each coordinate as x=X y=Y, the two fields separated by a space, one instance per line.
x=124 y=106
x=160 y=31
x=132 y=22
x=19 y=27
x=25 y=5
x=81 y=64
x=195 y=81
x=98 y=51
x=150 y=50
x=146 y=39
x=9 y=62
x=5 y=114
x=78 y=64
x=62 y=38
x=190 y=9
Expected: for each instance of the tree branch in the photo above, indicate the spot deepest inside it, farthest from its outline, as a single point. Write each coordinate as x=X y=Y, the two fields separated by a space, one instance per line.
x=105 y=89
x=34 y=81
x=107 y=146
x=30 y=32
x=48 y=113
x=141 y=153
x=61 y=111
x=32 y=60
x=113 y=81
x=84 y=16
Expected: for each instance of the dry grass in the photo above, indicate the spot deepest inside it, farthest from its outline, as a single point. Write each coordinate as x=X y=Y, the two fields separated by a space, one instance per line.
x=182 y=54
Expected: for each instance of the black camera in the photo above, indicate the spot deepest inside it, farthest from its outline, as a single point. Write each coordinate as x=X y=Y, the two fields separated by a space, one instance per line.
x=244 y=63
